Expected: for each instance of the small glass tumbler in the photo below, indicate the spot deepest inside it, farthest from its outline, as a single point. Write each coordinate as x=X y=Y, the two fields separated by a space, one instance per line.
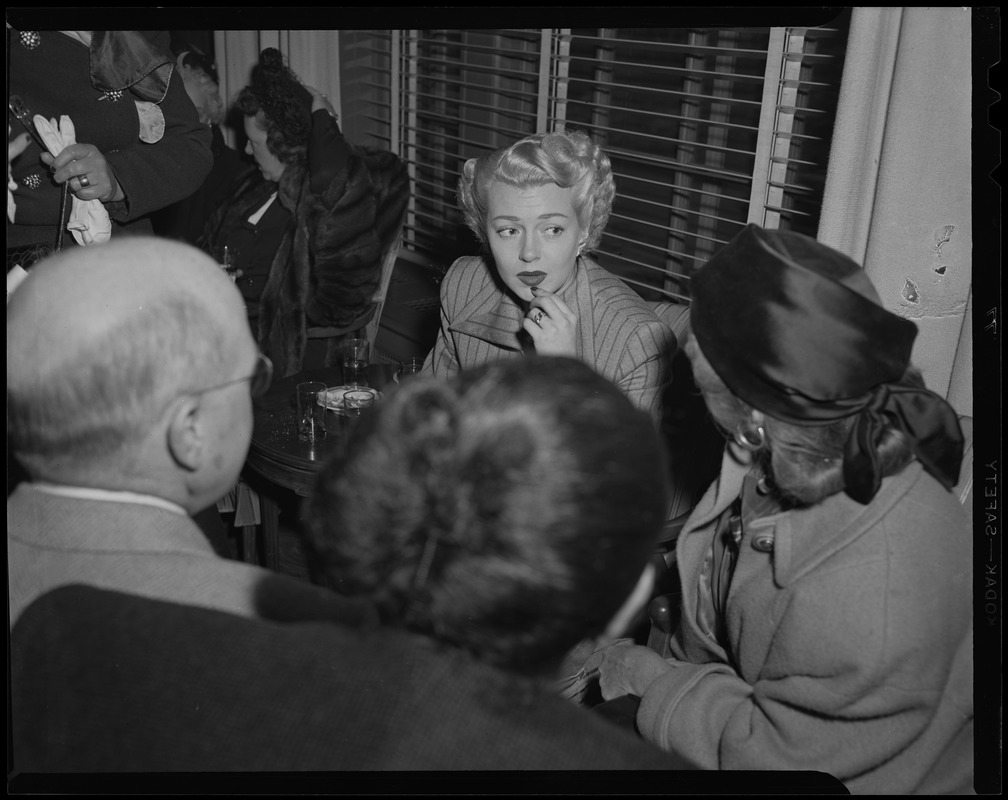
x=409 y=368
x=311 y=413
x=355 y=362
x=229 y=261
x=356 y=401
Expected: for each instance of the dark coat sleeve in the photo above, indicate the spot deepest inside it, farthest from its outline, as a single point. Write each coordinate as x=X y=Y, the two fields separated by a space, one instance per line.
x=328 y=151
x=153 y=176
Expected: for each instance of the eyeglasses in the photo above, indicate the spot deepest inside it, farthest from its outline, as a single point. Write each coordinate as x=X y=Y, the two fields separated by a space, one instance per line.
x=259 y=380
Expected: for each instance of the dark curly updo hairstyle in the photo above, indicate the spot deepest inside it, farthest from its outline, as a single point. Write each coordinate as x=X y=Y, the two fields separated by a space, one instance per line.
x=508 y=511
x=280 y=104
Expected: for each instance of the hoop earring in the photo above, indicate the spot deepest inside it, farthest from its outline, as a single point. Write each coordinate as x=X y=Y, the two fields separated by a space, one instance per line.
x=749 y=439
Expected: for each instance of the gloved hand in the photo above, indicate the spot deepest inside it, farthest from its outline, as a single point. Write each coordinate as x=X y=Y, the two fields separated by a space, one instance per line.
x=89 y=221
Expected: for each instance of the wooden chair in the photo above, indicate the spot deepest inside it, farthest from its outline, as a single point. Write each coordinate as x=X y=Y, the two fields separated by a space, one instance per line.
x=694 y=448
x=694 y=443
x=367 y=324
x=664 y=608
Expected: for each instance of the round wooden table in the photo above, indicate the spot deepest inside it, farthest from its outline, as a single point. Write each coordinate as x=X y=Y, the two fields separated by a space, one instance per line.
x=281 y=461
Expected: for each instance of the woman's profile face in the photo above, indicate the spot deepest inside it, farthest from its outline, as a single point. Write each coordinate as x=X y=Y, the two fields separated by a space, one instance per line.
x=721 y=403
x=270 y=166
x=534 y=236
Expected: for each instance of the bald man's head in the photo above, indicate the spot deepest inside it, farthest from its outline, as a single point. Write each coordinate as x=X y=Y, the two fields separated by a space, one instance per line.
x=101 y=339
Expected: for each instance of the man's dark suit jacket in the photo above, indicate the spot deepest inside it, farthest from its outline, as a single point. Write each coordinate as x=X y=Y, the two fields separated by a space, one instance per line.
x=110 y=682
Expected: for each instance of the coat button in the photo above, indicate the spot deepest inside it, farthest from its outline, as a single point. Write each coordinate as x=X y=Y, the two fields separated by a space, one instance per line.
x=763 y=542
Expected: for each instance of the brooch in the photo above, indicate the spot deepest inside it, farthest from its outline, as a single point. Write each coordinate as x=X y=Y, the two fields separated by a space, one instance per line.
x=30 y=39
x=114 y=95
x=32 y=181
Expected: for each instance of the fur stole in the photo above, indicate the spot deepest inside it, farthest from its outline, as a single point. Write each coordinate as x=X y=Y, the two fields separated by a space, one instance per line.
x=327 y=267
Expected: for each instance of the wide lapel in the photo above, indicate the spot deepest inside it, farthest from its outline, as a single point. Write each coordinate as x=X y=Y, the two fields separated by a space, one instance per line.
x=491 y=315
x=581 y=300
x=692 y=547
x=735 y=465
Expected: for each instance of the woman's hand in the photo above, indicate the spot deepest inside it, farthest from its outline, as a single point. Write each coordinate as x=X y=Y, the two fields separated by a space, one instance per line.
x=84 y=169
x=629 y=669
x=319 y=100
x=551 y=324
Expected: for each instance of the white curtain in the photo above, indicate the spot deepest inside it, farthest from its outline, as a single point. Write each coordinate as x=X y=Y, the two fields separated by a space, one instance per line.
x=898 y=191
x=849 y=193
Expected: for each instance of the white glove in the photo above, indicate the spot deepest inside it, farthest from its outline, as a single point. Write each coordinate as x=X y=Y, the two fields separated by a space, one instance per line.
x=89 y=221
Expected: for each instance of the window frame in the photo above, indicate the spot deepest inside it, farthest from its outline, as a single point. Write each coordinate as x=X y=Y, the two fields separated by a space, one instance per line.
x=528 y=75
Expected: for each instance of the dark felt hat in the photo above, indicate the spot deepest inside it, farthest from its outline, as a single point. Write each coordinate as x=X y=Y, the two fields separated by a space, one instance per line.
x=795 y=329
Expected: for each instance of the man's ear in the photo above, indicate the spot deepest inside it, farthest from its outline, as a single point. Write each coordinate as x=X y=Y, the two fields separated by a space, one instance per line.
x=185 y=432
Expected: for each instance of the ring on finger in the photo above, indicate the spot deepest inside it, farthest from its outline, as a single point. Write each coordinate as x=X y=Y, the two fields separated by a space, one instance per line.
x=537 y=317
x=84 y=182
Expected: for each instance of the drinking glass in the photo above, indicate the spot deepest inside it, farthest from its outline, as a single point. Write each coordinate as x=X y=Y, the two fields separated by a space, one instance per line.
x=355 y=361
x=354 y=402
x=229 y=260
x=409 y=367
x=311 y=415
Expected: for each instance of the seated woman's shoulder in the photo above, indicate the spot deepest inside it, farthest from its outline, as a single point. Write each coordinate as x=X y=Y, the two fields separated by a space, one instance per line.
x=937 y=509
x=464 y=262
x=607 y=286
x=466 y=269
x=612 y=296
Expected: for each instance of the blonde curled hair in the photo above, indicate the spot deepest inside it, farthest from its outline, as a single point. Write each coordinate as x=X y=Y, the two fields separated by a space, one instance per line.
x=571 y=160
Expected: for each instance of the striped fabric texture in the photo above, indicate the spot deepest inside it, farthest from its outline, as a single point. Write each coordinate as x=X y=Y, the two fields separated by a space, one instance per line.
x=675 y=315
x=618 y=333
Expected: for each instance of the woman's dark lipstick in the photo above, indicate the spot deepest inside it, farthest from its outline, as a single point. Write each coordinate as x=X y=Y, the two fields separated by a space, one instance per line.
x=532 y=278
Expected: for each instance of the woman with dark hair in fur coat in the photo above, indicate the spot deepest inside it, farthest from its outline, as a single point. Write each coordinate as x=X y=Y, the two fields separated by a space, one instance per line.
x=311 y=224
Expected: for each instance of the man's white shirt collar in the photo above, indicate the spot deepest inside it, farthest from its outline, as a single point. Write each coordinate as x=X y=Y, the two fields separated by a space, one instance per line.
x=87 y=493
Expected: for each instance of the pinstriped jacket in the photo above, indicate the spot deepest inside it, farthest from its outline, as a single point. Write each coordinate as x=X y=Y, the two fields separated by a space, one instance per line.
x=618 y=333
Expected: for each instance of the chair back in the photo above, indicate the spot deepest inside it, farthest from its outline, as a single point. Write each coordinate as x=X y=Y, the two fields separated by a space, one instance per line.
x=381 y=292
x=367 y=324
x=693 y=442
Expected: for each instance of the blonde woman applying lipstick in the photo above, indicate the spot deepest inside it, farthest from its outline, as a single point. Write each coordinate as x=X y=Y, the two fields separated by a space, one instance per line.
x=537 y=207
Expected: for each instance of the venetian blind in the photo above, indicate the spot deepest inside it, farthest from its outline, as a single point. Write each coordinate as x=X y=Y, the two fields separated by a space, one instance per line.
x=707 y=128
